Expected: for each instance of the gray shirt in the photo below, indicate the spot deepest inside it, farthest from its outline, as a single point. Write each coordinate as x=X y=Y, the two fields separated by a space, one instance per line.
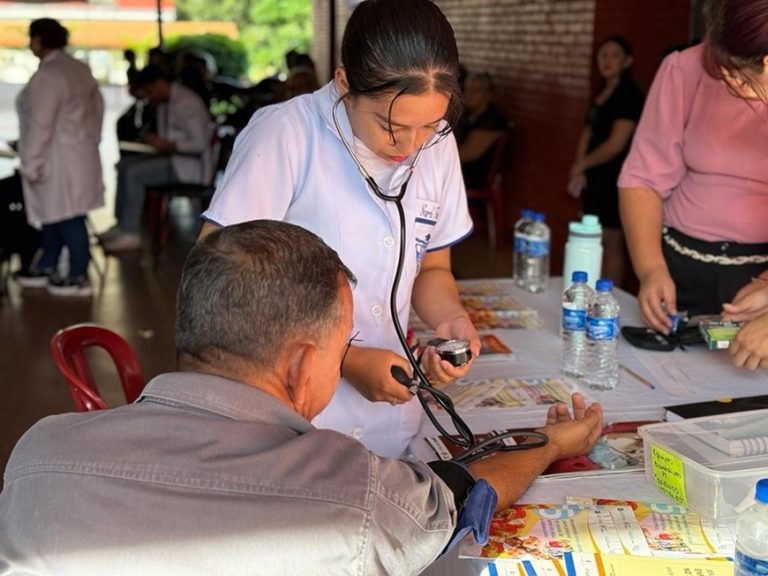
x=209 y=476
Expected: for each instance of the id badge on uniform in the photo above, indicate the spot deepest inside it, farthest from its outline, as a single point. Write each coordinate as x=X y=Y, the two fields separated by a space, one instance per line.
x=427 y=214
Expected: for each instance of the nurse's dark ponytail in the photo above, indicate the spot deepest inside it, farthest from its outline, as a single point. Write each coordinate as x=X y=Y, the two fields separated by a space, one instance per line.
x=401 y=47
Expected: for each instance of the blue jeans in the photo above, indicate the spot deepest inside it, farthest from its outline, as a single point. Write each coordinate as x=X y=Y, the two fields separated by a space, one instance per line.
x=73 y=234
x=134 y=174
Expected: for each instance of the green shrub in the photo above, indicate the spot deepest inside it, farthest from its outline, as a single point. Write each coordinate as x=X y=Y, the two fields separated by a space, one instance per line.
x=230 y=55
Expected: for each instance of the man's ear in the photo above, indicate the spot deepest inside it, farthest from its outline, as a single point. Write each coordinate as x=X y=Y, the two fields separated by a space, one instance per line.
x=340 y=78
x=299 y=377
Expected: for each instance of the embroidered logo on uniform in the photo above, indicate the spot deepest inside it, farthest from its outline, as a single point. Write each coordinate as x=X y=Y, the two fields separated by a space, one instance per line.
x=421 y=249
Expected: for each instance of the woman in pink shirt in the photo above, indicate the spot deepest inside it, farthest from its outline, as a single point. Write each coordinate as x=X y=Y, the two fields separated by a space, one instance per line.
x=697 y=174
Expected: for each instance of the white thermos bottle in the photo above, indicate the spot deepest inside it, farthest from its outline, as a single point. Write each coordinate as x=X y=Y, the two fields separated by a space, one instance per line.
x=584 y=249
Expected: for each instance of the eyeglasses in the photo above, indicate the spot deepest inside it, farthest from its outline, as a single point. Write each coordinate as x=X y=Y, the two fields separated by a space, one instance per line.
x=349 y=345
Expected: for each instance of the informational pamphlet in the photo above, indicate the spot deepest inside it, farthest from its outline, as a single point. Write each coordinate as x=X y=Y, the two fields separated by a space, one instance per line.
x=547 y=532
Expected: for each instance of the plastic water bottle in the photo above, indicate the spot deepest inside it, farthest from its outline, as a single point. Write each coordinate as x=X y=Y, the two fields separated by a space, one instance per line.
x=602 y=365
x=752 y=535
x=520 y=241
x=584 y=248
x=536 y=272
x=574 y=325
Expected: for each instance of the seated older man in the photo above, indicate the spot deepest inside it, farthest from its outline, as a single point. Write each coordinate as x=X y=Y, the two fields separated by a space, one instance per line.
x=217 y=470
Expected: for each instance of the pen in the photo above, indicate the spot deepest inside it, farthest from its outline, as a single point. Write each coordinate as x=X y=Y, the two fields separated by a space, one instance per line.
x=639 y=378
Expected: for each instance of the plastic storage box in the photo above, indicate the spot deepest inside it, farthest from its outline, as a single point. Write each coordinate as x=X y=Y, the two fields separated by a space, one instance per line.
x=709 y=464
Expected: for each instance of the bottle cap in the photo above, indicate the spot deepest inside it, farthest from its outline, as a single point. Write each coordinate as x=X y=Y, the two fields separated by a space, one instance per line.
x=604 y=285
x=579 y=276
x=589 y=226
x=538 y=217
x=761 y=491
x=525 y=213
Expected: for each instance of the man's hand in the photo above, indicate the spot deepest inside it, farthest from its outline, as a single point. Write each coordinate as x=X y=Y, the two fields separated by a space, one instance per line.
x=749 y=303
x=750 y=347
x=510 y=473
x=161 y=144
x=657 y=298
x=369 y=371
x=575 y=434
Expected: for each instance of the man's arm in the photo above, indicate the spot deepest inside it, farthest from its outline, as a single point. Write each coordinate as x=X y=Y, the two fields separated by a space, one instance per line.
x=511 y=473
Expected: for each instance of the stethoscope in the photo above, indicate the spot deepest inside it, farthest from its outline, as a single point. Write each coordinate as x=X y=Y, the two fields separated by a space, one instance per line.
x=420 y=382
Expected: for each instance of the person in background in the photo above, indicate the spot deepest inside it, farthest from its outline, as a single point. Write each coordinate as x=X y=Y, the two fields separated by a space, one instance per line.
x=387 y=113
x=183 y=145
x=60 y=115
x=694 y=188
x=603 y=146
x=480 y=128
x=216 y=469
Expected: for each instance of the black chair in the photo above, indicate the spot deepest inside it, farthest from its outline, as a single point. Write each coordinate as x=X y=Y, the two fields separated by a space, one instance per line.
x=16 y=235
x=492 y=193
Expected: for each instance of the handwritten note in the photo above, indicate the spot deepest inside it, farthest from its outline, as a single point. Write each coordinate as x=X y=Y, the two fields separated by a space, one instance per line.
x=669 y=474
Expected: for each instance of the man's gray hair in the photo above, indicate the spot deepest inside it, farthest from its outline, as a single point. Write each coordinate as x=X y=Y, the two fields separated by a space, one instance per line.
x=248 y=289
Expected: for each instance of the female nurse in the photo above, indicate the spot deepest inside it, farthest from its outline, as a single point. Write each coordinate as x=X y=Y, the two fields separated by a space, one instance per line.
x=694 y=188
x=326 y=160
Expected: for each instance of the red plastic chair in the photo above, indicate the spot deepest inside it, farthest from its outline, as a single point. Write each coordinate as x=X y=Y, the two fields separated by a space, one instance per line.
x=68 y=350
x=492 y=193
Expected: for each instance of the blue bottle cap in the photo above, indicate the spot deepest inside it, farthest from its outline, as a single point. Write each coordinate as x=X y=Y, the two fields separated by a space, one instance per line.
x=579 y=276
x=604 y=285
x=761 y=491
x=538 y=217
x=526 y=213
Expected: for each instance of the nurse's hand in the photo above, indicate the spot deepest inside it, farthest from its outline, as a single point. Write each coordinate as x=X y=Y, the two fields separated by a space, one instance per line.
x=441 y=371
x=750 y=302
x=657 y=298
x=369 y=371
x=750 y=347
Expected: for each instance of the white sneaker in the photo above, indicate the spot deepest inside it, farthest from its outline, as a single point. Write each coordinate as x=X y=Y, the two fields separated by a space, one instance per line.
x=109 y=234
x=33 y=278
x=122 y=243
x=70 y=287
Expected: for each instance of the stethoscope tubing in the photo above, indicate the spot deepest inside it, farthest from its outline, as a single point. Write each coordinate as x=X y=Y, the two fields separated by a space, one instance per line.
x=465 y=437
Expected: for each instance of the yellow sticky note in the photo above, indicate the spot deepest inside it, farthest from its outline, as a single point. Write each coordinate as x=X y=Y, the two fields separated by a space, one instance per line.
x=669 y=474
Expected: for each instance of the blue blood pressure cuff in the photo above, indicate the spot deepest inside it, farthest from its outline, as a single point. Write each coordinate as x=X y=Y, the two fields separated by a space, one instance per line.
x=475 y=501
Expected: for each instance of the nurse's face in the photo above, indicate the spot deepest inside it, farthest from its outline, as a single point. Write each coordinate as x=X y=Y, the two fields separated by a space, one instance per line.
x=395 y=127
x=36 y=46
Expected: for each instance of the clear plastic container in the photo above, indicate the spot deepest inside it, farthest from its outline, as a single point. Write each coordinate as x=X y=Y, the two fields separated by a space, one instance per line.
x=710 y=464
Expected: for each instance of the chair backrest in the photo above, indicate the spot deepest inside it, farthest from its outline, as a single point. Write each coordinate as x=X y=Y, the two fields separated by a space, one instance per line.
x=497 y=163
x=68 y=347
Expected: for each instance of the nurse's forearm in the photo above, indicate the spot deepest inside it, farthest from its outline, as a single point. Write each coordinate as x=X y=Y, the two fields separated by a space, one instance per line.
x=641 y=215
x=435 y=296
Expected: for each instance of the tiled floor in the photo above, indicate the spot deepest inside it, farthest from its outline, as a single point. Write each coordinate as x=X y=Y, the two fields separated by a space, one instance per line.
x=136 y=301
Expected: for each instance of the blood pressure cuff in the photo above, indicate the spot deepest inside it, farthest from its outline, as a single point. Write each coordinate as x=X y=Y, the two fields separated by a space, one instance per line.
x=475 y=501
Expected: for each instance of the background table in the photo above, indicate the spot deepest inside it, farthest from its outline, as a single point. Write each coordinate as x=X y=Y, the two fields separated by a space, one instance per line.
x=681 y=376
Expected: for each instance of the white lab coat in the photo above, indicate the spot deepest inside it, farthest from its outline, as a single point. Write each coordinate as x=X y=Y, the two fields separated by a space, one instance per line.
x=60 y=114
x=185 y=121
